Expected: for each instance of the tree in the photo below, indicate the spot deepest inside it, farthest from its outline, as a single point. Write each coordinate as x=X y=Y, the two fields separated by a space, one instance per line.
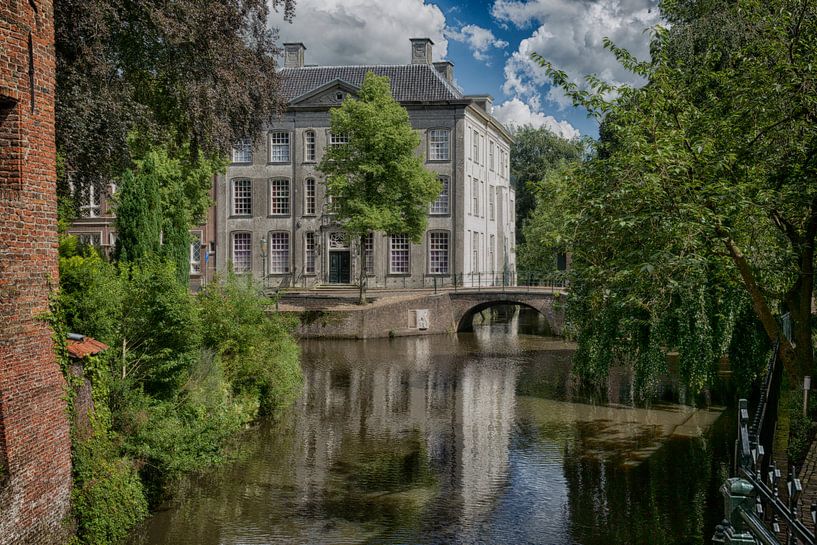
x=161 y=198
x=376 y=180
x=701 y=196
x=534 y=153
x=196 y=72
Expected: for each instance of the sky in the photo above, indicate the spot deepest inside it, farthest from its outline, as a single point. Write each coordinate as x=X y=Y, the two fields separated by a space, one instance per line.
x=489 y=42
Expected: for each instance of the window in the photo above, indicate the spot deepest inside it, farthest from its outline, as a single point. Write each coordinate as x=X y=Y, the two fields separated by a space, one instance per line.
x=278 y=253
x=482 y=147
x=279 y=197
x=474 y=251
x=467 y=200
x=438 y=252
x=438 y=145
x=338 y=139
x=242 y=151
x=491 y=252
x=482 y=194
x=491 y=155
x=90 y=239
x=242 y=252
x=310 y=197
x=475 y=149
x=310 y=150
x=491 y=195
x=475 y=198
x=310 y=251
x=368 y=253
x=279 y=147
x=195 y=252
x=440 y=206
x=399 y=254
x=242 y=197
x=89 y=201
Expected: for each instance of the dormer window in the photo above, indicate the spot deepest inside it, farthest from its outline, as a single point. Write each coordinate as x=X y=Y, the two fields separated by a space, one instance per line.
x=339 y=96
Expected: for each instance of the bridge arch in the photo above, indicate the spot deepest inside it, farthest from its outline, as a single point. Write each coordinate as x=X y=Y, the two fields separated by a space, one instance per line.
x=466 y=320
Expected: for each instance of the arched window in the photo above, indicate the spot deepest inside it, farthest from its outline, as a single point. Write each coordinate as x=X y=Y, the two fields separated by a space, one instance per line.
x=242 y=252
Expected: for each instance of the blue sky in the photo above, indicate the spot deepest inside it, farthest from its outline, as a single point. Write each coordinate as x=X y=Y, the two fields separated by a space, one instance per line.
x=489 y=43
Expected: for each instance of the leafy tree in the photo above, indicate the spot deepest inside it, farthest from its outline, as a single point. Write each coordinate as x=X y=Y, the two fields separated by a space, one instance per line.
x=161 y=198
x=196 y=72
x=534 y=153
x=377 y=181
x=702 y=192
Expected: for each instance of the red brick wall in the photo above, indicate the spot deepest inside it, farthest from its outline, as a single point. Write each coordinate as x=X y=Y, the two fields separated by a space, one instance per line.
x=34 y=433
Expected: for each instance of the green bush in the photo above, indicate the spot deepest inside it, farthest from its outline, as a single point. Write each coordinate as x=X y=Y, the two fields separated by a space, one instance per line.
x=259 y=354
x=108 y=498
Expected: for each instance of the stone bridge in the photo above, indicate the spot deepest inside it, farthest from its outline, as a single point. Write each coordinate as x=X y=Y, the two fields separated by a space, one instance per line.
x=335 y=314
x=550 y=303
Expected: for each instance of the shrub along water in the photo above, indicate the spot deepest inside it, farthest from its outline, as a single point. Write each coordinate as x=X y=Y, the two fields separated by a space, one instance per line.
x=183 y=375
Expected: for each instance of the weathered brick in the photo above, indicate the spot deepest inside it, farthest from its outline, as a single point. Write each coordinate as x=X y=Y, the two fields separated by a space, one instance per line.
x=34 y=432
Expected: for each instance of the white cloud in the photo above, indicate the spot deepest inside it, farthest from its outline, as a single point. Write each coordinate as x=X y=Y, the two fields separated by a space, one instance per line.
x=515 y=113
x=363 y=31
x=569 y=34
x=479 y=39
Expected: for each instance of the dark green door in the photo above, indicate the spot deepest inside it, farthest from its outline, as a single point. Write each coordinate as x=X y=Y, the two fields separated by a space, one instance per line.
x=339 y=268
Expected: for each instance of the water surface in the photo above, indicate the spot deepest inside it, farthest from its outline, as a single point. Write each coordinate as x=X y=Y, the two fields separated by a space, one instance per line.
x=469 y=439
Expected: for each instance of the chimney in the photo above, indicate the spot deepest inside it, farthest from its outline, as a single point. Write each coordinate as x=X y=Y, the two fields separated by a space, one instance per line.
x=294 y=55
x=446 y=69
x=421 y=50
x=486 y=102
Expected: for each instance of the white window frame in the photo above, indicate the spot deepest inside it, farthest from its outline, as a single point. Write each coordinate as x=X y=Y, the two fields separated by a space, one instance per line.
x=336 y=140
x=310 y=252
x=310 y=147
x=196 y=248
x=475 y=146
x=278 y=244
x=475 y=198
x=91 y=208
x=310 y=197
x=241 y=263
x=279 y=147
x=399 y=254
x=441 y=206
x=474 y=253
x=89 y=238
x=492 y=253
x=491 y=201
x=245 y=196
x=439 y=252
x=482 y=195
x=439 y=144
x=279 y=197
x=368 y=254
x=242 y=151
x=491 y=155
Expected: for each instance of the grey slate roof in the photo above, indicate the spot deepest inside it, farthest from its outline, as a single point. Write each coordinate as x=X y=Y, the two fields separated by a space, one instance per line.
x=409 y=82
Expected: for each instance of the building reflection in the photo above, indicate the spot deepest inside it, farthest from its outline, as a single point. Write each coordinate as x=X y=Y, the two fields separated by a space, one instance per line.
x=462 y=412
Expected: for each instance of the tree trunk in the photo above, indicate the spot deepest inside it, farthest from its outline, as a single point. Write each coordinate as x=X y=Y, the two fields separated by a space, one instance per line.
x=798 y=301
x=761 y=308
x=362 y=277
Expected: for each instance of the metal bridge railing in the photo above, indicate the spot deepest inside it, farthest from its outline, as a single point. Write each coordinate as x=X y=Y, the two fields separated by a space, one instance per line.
x=496 y=279
x=755 y=511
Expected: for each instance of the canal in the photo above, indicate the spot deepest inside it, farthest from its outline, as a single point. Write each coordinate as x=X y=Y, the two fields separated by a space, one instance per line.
x=478 y=438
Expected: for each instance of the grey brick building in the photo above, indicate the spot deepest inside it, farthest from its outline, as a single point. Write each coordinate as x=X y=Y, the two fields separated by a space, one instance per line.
x=272 y=214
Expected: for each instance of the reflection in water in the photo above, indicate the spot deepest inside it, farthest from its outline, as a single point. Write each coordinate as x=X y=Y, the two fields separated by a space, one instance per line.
x=460 y=440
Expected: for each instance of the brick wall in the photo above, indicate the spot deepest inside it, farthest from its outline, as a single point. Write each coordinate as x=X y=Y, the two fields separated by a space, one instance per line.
x=34 y=433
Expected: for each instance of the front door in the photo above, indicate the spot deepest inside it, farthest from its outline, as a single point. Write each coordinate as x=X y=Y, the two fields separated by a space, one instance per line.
x=340 y=270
